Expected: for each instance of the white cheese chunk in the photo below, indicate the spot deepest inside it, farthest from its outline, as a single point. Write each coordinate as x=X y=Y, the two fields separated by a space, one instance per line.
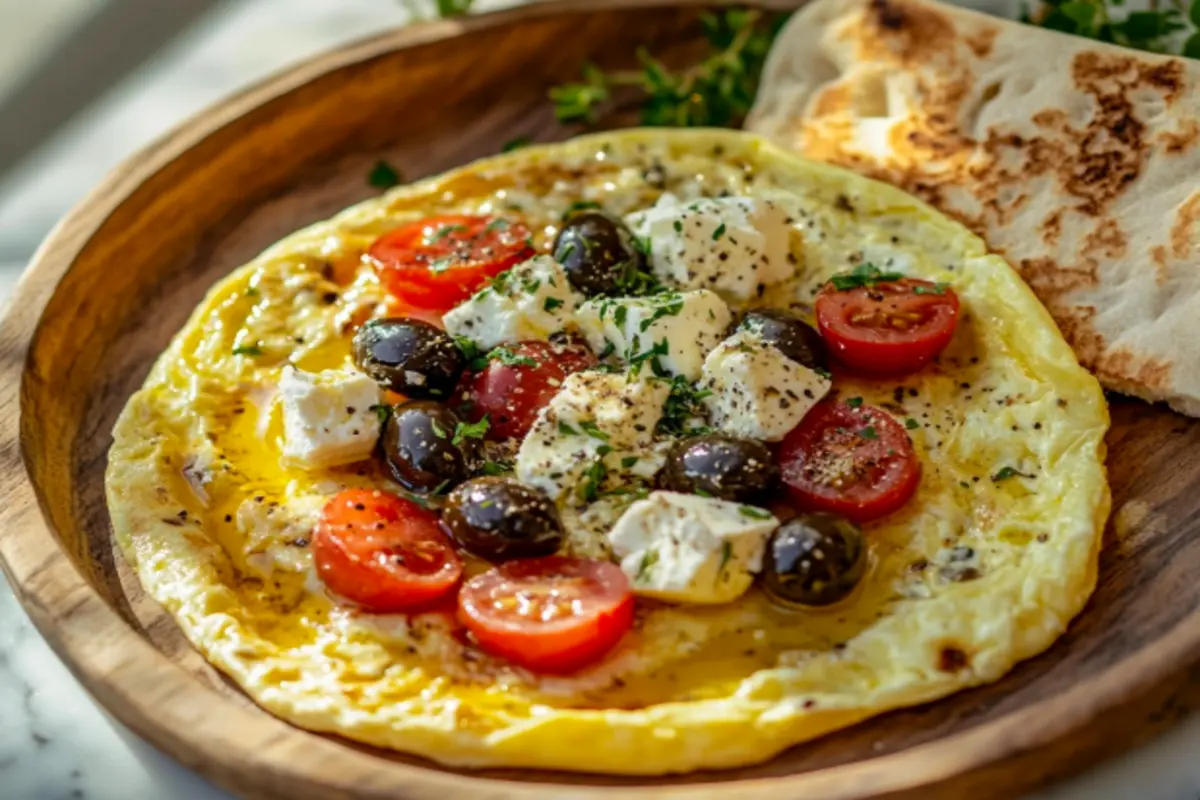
x=736 y=246
x=691 y=549
x=594 y=428
x=757 y=391
x=328 y=417
x=530 y=301
x=669 y=332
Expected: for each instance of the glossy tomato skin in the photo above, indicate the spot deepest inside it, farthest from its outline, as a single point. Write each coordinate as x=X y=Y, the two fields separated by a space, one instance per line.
x=854 y=461
x=436 y=263
x=383 y=552
x=889 y=327
x=552 y=614
x=512 y=393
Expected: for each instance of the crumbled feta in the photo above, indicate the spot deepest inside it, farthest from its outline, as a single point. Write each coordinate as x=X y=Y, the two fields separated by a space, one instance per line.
x=668 y=333
x=328 y=417
x=737 y=246
x=757 y=391
x=691 y=549
x=598 y=426
x=530 y=301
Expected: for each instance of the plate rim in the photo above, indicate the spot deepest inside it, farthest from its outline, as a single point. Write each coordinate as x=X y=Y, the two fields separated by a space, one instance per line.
x=73 y=617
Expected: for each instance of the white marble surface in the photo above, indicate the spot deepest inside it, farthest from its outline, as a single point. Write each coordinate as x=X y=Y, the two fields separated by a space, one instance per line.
x=55 y=743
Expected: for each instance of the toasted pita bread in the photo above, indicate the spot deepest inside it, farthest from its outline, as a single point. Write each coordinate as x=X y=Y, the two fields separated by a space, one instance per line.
x=1078 y=161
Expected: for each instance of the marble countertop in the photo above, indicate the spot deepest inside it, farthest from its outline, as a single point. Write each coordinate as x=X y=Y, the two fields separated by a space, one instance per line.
x=55 y=742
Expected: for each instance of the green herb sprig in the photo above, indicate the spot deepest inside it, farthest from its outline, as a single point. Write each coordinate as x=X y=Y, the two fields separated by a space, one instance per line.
x=1156 y=29
x=717 y=91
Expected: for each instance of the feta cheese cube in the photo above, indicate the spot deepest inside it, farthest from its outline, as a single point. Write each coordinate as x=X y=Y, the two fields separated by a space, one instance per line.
x=530 y=301
x=593 y=429
x=757 y=391
x=691 y=549
x=665 y=333
x=736 y=246
x=328 y=417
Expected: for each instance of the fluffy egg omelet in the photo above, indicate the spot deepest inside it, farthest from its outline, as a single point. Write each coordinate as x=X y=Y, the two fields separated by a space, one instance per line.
x=215 y=503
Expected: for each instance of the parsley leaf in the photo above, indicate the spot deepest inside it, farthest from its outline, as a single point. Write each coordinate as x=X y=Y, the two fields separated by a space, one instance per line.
x=578 y=205
x=383 y=176
x=516 y=144
x=566 y=429
x=649 y=559
x=937 y=288
x=911 y=424
x=453 y=8
x=437 y=429
x=863 y=275
x=854 y=402
x=468 y=430
x=719 y=232
x=754 y=513
x=868 y=432
x=684 y=403
x=726 y=555
x=629 y=461
x=552 y=303
x=591 y=429
x=510 y=359
x=383 y=410
x=496 y=467
x=1154 y=30
x=589 y=489
x=248 y=350
x=1008 y=472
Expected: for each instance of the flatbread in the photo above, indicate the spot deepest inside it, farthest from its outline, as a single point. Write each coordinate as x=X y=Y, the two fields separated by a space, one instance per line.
x=1078 y=161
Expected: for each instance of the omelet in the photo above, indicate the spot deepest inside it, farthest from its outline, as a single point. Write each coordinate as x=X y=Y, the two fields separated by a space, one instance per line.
x=984 y=566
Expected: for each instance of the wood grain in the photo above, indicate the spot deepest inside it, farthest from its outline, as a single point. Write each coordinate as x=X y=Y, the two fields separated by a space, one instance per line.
x=118 y=277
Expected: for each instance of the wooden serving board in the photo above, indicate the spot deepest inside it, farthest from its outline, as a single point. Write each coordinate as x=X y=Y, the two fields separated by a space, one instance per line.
x=119 y=276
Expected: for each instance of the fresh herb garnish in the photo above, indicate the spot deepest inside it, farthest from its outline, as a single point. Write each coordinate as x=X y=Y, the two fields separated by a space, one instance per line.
x=1155 y=30
x=591 y=429
x=443 y=232
x=1008 y=472
x=629 y=461
x=619 y=315
x=251 y=291
x=578 y=205
x=911 y=424
x=726 y=555
x=566 y=430
x=552 y=303
x=437 y=429
x=854 y=402
x=685 y=402
x=383 y=410
x=702 y=492
x=649 y=559
x=868 y=432
x=593 y=476
x=248 y=350
x=716 y=91
x=863 y=275
x=383 y=176
x=453 y=8
x=937 y=288
x=636 y=360
x=516 y=143
x=470 y=430
x=496 y=467
x=719 y=232
x=510 y=359
x=754 y=513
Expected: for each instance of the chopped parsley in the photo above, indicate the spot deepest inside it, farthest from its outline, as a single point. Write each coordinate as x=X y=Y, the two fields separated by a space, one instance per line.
x=642 y=244
x=251 y=291
x=620 y=314
x=1008 y=472
x=437 y=429
x=636 y=359
x=911 y=424
x=670 y=308
x=470 y=430
x=754 y=513
x=824 y=373
x=248 y=350
x=702 y=492
x=854 y=402
x=552 y=303
x=383 y=410
x=678 y=226
x=498 y=224
x=383 y=176
x=443 y=232
x=868 y=432
x=629 y=461
x=510 y=359
x=726 y=555
x=589 y=489
x=496 y=467
x=863 y=275
x=566 y=430
x=719 y=232
x=579 y=205
x=649 y=559
x=591 y=429
x=937 y=288
x=516 y=143
x=684 y=403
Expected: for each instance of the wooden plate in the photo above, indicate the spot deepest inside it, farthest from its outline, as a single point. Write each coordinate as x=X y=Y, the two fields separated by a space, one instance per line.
x=118 y=277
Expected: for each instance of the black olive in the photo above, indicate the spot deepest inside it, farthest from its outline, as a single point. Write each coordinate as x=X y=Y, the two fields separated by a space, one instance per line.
x=597 y=251
x=740 y=470
x=409 y=356
x=814 y=560
x=418 y=441
x=795 y=338
x=500 y=518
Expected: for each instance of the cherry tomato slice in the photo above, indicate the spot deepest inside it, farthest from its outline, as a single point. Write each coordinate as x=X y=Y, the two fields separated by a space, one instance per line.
x=890 y=327
x=383 y=552
x=512 y=390
x=552 y=614
x=857 y=462
x=437 y=263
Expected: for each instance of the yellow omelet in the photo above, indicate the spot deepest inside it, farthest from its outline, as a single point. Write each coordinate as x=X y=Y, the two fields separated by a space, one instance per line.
x=985 y=566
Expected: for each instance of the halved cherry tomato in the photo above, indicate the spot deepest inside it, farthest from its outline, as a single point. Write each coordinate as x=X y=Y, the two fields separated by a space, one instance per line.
x=511 y=390
x=383 y=552
x=552 y=614
x=857 y=462
x=888 y=327
x=438 y=262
